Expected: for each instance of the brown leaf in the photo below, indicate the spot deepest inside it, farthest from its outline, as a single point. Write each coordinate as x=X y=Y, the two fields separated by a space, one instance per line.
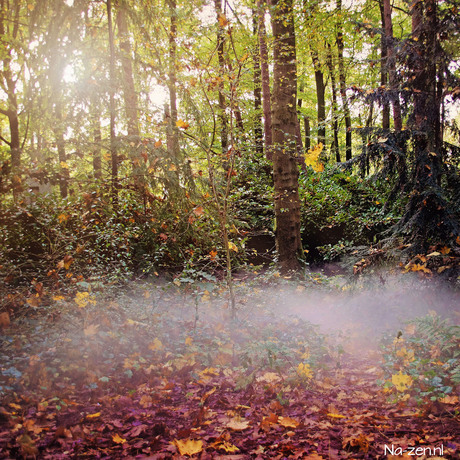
x=188 y=446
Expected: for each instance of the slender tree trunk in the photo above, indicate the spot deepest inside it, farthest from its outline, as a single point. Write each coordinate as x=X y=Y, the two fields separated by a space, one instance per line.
x=221 y=58
x=335 y=107
x=172 y=81
x=12 y=104
x=96 y=134
x=267 y=109
x=284 y=120
x=306 y=127
x=129 y=90
x=343 y=87
x=384 y=70
x=320 y=97
x=391 y=58
x=113 y=149
x=257 y=78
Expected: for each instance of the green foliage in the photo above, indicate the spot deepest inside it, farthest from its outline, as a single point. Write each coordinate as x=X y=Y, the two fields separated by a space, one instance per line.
x=340 y=209
x=426 y=355
x=88 y=236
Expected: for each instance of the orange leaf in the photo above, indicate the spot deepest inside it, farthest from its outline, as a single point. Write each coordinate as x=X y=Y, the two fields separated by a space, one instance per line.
x=198 y=211
x=445 y=250
x=4 y=320
x=223 y=21
x=288 y=422
x=118 y=439
x=158 y=143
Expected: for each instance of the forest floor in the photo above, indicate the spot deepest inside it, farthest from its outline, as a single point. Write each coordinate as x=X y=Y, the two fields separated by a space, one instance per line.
x=161 y=370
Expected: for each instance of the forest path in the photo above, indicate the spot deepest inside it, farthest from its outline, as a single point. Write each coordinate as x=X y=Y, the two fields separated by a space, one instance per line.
x=161 y=371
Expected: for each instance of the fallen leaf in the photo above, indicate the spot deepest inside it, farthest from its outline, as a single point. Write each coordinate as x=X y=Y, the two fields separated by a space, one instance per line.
x=118 y=439
x=238 y=424
x=188 y=446
x=288 y=422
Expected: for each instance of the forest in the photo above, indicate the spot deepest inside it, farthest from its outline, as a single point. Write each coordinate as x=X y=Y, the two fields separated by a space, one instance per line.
x=230 y=228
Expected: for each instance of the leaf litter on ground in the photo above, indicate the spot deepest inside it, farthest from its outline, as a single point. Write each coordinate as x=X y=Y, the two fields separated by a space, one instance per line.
x=158 y=371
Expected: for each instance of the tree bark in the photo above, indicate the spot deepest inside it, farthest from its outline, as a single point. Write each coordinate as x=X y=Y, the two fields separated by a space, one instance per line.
x=343 y=88
x=129 y=90
x=266 y=98
x=284 y=119
x=320 y=97
x=112 y=84
x=391 y=64
x=221 y=59
x=335 y=124
x=384 y=70
x=257 y=80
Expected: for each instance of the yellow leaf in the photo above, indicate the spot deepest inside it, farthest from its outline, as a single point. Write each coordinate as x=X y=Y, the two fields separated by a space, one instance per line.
x=156 y=345
x=172 y=167
x=96 y=415
x=332 y=415
x=304 y=371
x=118 y=439
x=182 y=124
x=31 y=6
x=225 y=445
x=312 y=158
x=232 y=246
x=188 y=341
x=449 y=399
x=64 y=165
x=63 y=218
x=188 y=446
x=401 y=381
x=269 y=377
x=288 y=422
x=238 y=424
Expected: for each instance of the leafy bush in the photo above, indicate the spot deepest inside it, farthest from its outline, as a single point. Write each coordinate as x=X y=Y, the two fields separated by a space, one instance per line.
x=423 y=362
x=337 y=206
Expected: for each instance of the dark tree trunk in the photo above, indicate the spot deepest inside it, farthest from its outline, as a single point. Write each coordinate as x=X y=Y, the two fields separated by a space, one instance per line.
x=284 y=121
x=320 y=97
x=266 y=98
x=391 y=64
x=306 y=127
x=384 y=71
x=335 y=124
x=343 y=87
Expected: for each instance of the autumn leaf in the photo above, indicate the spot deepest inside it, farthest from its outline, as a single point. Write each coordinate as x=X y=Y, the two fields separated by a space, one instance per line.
x=182 y=124
x=269 y=377
x=155 y=345
x=92 y=329
x=312 y=158
x=118 y=439
x=237 y=424
x=158 y=143
x=198 y=211
x=213 y=254
x=63 y=217
x=445 y=250
x=4 y=320
x=188 y=341
x=449 y=399
x=304 y=371
x=188 y=446
x=288 y=422
x=232 y=246
x=401 y=381
x=225 y=445
x=223 y=21
x=95 y=415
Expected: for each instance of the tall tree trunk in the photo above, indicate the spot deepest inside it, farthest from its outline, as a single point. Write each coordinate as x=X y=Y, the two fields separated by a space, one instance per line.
x=343 y=87
x=172 y=80
x=306 y=127
x=112 y=84
x=221 y=58
x=266 y=98
x=284 y=120
x=257 y=78
x=129 y=90
x=335 y=124
x=96 y=134
x=320 y=97
x=384 y=70
x=12 y=104
x=391 y=64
